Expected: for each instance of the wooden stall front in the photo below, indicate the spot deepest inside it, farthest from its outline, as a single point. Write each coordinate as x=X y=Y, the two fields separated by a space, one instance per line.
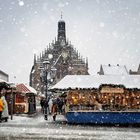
x=25 y=101
x=82 y=99
x=117 y=97
x=9 y=92
x=107 y=97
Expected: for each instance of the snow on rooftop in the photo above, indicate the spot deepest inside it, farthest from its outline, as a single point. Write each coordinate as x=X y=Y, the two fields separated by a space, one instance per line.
x=94 y=81
x=2 y=81
x=31 y=89
x=114 y=69
x=24 y=88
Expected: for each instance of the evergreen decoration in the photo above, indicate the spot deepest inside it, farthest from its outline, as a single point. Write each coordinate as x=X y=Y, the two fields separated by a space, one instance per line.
x=4 y=85
x=111 y=85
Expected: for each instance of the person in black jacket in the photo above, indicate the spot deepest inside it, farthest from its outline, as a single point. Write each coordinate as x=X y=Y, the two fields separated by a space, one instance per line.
x=42 y=104
x=45 y=109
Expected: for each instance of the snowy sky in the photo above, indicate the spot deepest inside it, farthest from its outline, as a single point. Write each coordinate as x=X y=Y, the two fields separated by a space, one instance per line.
x=106 y=31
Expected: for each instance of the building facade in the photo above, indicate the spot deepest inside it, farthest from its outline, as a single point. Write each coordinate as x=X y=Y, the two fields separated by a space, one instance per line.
x=135 y=72
x=63 y=58
x=4 y=76
x=113 y=70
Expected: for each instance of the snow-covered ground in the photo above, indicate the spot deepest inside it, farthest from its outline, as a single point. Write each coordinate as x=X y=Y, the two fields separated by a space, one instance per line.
x=36 y=128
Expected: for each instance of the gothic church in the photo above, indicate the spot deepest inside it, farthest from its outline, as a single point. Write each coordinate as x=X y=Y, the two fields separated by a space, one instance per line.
x=63 y=57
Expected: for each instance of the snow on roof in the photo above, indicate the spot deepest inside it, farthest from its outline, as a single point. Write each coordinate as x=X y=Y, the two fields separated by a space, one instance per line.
x=114 y=69
x=31 y=89
x=88 y=81
x=25 y=89
x=1 y=81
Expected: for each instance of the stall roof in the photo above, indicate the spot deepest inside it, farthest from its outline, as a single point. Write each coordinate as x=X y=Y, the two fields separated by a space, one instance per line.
x=88 y=81
x=23 y=88
x=4 y=84
x=1 y=81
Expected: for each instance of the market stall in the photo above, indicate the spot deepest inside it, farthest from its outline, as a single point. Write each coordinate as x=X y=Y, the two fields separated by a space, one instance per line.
x=9 y=92
x=25 y=99
x=101 y=99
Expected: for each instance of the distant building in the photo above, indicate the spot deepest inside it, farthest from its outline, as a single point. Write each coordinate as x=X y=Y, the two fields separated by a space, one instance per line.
x=4 y=76
x=62 y=56
x=135 y=72
x=113 y=70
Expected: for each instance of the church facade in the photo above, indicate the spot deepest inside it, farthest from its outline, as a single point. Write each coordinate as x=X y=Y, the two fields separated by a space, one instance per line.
x=63 y=59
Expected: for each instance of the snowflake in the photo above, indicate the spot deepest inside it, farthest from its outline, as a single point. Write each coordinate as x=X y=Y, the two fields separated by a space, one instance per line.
x=21 y=3
x=67 y=3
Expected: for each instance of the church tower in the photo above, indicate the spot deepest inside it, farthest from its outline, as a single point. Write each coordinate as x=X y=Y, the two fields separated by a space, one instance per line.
x=65 y=59
x=61 y=37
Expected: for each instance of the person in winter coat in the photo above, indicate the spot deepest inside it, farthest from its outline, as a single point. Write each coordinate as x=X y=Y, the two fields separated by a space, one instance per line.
x=54 y=110
x=1 y=108
x=46 y=109
x=5 y=114
x=42 y=101
x=60 y=104
x=50 y=103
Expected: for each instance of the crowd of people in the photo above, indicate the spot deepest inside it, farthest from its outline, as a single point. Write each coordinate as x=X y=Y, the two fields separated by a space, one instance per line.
x=54 y=106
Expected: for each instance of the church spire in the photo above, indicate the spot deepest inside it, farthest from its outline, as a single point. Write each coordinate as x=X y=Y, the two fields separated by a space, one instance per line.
x=34 y=58
x=61 y=37
x=61 y=15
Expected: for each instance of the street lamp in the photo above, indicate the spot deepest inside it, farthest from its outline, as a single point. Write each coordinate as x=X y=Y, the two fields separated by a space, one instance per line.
x=47 y=73
x=46 y=64
x=53 y=74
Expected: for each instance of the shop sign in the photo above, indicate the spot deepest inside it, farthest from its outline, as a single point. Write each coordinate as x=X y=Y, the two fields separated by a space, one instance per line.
x=112 y=90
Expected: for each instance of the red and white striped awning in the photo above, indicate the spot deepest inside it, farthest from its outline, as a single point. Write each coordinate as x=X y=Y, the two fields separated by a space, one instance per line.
x=22 y=88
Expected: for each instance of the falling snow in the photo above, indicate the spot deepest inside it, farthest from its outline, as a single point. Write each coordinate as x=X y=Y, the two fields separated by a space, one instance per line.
x=21 y=3
x=91 y=26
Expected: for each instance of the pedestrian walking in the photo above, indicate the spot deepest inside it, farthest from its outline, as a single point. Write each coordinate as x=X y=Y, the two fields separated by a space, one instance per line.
x=42 y=101
x=54 y=110
x=50 y=103
x=60 y=104
x=5 y=114
x=46 y=109
x=1 y=108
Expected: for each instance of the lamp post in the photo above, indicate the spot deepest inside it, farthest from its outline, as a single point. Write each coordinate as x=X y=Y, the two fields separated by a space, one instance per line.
x=11 y=98
x=47 y=72
x=46 y=64
x=12 y=87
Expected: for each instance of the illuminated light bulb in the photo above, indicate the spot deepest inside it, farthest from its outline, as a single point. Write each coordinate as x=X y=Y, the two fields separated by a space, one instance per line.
x=73 y=97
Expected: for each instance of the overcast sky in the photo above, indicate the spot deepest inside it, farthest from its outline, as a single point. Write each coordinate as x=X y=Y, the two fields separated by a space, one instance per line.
x=105 y=31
